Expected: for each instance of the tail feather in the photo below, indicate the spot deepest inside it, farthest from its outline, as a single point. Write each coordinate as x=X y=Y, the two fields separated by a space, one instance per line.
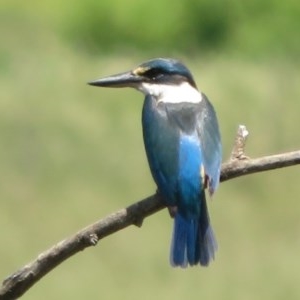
x=206 y=243
x=178 y=255
x=193 y=240
x=207 y=247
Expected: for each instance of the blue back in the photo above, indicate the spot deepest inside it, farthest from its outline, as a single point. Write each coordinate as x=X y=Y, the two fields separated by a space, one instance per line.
x=168 y=134
x=175 y=157
x=183 y=147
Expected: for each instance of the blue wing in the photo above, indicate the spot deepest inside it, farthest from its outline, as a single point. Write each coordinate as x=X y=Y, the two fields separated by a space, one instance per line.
x=161 y=144
x=210 y=140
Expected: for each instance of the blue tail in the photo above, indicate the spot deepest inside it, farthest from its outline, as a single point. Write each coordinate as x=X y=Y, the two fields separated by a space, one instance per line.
x=193 y=240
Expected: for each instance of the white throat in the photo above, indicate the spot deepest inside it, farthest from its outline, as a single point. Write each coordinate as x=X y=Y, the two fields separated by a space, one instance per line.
x=169 y=93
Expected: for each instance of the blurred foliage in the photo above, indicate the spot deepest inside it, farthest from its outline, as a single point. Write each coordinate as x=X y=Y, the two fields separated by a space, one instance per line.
x=70 y=153
x=251 y=27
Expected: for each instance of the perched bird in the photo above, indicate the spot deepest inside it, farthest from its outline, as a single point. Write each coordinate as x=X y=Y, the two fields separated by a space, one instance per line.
x=183 y=146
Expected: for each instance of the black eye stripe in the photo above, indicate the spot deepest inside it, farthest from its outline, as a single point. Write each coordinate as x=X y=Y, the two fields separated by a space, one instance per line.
x=152 y=73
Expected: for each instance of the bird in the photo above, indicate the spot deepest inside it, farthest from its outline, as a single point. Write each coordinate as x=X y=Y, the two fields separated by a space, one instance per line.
x=183 y=146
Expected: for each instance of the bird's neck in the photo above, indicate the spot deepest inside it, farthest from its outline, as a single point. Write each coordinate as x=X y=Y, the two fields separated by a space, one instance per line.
x=169 y=93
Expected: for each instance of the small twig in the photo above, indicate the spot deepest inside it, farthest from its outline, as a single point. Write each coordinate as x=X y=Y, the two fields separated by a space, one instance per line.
x=238 y=150
x=19 y=282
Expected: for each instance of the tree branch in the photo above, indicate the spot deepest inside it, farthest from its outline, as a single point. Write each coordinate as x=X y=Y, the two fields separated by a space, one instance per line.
x=19 y=282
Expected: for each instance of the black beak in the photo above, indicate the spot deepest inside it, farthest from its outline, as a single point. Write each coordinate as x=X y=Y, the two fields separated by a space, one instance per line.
x=126 y=79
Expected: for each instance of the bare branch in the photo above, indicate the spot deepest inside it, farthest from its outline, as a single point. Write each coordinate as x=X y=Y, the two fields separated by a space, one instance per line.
x=19 y=282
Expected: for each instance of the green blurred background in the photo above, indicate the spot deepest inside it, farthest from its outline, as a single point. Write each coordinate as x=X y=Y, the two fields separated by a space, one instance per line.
x=71 y=154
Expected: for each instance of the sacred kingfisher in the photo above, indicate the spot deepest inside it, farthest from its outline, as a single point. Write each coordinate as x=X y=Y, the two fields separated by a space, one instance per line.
x=184 y=151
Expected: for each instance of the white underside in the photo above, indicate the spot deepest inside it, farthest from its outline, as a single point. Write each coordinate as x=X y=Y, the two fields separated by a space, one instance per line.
x=169 y=93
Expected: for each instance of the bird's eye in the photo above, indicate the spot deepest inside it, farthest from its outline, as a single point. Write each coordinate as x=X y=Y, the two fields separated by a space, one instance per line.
x=153 y=73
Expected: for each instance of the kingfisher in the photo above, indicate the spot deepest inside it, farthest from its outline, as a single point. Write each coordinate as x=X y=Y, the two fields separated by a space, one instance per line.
x=184 y=151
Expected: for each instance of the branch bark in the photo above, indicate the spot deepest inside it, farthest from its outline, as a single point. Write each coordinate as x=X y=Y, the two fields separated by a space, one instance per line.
x=19 y=282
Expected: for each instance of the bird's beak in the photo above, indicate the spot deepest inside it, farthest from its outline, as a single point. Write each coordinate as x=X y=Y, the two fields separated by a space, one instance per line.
x=126 y=79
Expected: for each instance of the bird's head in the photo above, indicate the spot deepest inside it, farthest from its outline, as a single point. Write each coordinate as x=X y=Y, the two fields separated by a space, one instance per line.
x=153 y=77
